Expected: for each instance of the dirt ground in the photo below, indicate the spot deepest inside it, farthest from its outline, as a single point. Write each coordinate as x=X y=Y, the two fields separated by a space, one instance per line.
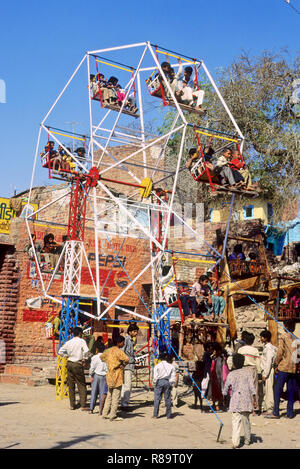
x=31 y=418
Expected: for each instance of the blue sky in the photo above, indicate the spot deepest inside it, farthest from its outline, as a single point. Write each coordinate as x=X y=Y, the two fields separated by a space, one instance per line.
x=43 y=42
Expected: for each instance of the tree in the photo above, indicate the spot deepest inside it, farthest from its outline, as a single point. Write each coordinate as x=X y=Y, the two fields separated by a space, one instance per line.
x=258 y=92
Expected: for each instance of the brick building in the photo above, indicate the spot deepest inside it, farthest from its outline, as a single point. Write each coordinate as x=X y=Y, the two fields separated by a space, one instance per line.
x=24 y=310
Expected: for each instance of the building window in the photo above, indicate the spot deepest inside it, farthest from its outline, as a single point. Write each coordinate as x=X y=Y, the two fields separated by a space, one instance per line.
x=248 y=212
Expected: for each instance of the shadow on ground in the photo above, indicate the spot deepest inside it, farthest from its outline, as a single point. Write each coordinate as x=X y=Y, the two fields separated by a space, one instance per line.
x=75 y=441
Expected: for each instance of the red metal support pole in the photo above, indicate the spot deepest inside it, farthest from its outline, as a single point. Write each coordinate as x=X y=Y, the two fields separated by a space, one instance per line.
x=178 y=299
x=204 y=162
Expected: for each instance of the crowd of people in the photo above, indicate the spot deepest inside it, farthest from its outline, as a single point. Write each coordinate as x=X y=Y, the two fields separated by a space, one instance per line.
x=228 y=167
x=235 y=378
x=111 y=93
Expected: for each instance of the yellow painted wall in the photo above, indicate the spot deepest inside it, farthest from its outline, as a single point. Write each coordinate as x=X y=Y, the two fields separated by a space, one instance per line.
x=260 y=210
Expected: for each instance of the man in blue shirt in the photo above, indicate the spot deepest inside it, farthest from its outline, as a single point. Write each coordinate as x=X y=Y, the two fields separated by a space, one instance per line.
x=129 y=350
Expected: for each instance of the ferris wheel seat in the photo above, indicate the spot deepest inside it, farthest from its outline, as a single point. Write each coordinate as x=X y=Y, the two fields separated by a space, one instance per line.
x=113 y=107
x=185 y=107
x=154 y=88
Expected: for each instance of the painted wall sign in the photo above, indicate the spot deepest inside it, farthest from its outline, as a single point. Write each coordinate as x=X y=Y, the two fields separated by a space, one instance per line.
x=37 y=315
x=7 y=213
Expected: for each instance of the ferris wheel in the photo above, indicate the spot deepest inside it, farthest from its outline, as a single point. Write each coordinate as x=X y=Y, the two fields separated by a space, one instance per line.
x=115 y=184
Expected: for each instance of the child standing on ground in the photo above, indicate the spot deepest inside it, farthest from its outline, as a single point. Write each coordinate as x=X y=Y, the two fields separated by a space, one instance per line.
x=98 y=371
x=243 y=398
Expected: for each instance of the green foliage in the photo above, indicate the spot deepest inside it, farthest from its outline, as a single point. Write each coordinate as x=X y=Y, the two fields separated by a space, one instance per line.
x=258 y=92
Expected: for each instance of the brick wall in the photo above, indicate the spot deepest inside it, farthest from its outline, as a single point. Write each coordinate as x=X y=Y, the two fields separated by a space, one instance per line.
x=9 y=290
x=24 y=328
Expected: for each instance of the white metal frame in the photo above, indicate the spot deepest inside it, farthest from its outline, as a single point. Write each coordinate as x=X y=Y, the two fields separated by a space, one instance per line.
x=101 y=129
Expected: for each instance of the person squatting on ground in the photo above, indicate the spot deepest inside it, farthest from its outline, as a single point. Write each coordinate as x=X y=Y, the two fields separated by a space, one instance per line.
x=116 y=360
x=164 y=377
x=243 y=398
x=98 y=371
x=77 y=352
x=130 y=340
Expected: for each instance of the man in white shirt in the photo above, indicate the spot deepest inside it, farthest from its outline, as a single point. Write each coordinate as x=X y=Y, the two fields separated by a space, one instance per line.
x=77 y=352
x=267 y=371
x=186 y=89
x=164 y=377
x=98 y=370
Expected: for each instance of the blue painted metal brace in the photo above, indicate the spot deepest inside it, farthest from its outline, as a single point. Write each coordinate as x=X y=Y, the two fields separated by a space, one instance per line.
x=69 y=318
x=162 y=331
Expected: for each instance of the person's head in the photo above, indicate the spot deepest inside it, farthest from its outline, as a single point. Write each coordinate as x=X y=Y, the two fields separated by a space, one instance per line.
x=165 y=67
x=290 y=325
x=51 y=144
x=169 y=358
x=120 y=341
x=209 y=151
x=226 y=153
x=92 y=77
x=101 y=76
x=238 y=248
x=208 y=346
x=80 y=151
x=162 y=356
x=77 y=331
x=99 y=347
x=252 y=256
x=203 y=279
x=235 y=154
x=192 y=152
x=132 y=330
x=199 y=365
x=209 y=275
x=282 y=293
x=217 y=349
x=49 y=237
x=113 y=80
x=188 y=72
x=171 y=72
x=249 y=338
x=238 y=360
x=265 y=336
